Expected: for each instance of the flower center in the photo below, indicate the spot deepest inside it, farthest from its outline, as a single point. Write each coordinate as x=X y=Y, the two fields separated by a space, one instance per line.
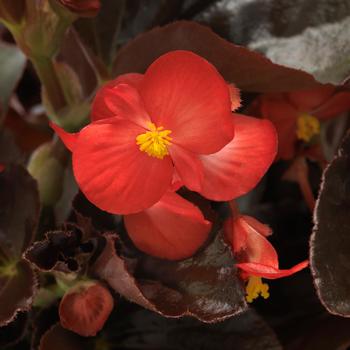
x=255 y=287
x=307 y=127
x=154 y=142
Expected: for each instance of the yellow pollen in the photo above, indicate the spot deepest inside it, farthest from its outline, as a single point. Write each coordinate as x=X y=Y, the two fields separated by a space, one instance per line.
x=307 y=127
x=154 y=142
x=255 y=287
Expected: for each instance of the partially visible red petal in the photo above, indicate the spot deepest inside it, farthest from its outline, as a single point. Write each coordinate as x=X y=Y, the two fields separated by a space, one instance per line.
x=133 y=79
x=270 y=272
x=113 y=173
x=2 y=167
x=307 y=100
x=256 y=255
x=184 y=93
x=284 y=117
x=121 y=101
x=171 y=229
x=251 y=244
x=188 y=167
x=337 y=104
x=69 y=140
x=235 y=97
x=239 y=166
x=99 y=108
x=263 y=229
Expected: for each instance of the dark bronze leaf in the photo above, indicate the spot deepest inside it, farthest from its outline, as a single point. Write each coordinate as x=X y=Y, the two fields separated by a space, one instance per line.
x=62 y=250
x=204 y=286
x=330 y=242
x=9 y=151
x=100 y=34
x=58 y=338
x=13 y=332
x=19 y=211
x=249 y=70
x=246 y=331
x=17 y=289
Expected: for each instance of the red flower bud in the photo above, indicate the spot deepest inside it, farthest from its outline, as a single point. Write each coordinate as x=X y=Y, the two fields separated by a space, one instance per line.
x=83 y=8
x=85 y=308
x=12 y=11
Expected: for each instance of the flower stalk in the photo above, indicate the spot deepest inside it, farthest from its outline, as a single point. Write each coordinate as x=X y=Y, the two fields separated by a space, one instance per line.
x=48 y=76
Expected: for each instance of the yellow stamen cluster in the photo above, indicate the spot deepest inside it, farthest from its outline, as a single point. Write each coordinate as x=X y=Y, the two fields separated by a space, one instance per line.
x=255 y=287
x=308 y=126
x=154 y=142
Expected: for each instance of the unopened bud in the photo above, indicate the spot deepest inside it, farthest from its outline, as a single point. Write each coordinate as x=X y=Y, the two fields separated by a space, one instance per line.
x=48 y=171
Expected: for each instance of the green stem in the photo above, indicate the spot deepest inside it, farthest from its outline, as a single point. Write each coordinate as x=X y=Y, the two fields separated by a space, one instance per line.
x=48 y=77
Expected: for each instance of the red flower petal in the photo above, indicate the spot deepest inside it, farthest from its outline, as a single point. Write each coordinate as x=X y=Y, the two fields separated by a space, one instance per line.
x=270 y=272
x=239 y=166
x=337 y=104
x=256 y=255
x=184 y=93
x=133 y=79
x=258 y=226
x=306 y=100
x=120 y=101
x=188 y=167
x=68 y=139
x=2 y=167
x=172 y=229
x=251 y=244
x=284 y=116
x=99 y=107
x=85 y=308
x=113 y=173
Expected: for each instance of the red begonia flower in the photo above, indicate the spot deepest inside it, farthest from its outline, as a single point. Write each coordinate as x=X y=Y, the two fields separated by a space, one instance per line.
x=256 y=256
x=171 y=229
x=83 y=8
x=171 y=126
x=297 y=114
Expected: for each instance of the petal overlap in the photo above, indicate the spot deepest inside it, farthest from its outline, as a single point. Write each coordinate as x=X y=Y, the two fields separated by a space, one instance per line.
x=121 y=101
x=188 y=167
x=238 y=167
